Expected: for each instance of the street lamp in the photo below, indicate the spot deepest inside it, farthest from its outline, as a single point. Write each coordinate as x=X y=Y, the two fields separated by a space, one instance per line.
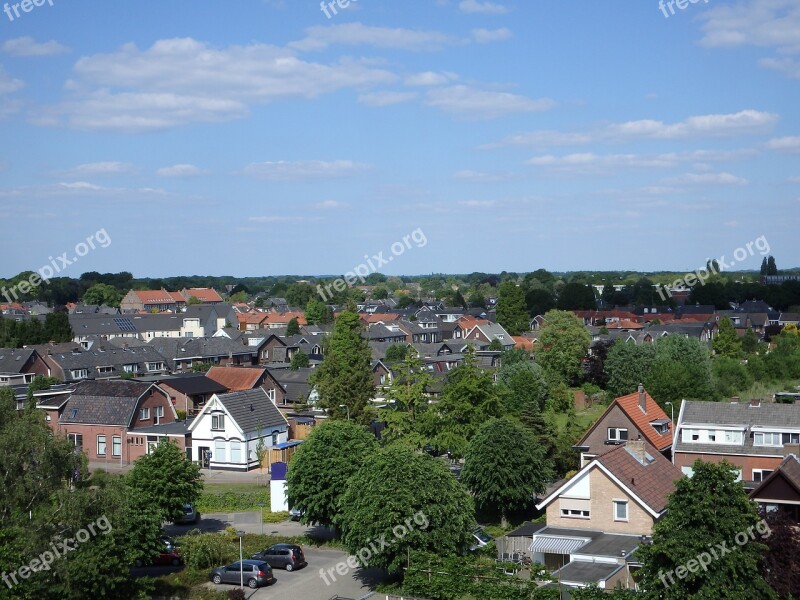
x=261 y=504
x=671 y=412
x=348 y=410
x=240 y=533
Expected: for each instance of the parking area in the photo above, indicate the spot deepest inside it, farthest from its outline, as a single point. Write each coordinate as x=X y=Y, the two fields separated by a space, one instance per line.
x=307 y=583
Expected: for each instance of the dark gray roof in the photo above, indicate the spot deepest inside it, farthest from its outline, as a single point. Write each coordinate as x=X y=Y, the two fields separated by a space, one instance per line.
x=174 y=428
x=252 y=408
x=13 y=360
x=104 y=402
x=527 y=529
x=106 y=355
x=173 y=349
x=196 y=383
x=586 y=572
x=295 y=383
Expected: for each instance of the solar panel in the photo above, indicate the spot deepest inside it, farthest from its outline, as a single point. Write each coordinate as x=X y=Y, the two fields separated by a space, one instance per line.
x=124 y=324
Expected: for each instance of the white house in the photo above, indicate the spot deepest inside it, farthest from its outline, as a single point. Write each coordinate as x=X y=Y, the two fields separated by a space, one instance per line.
x=230 y=426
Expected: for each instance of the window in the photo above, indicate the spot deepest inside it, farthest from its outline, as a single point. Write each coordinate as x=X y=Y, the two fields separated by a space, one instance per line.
x=275 y=438
x=159 y=411
x=101 y=445
x=219 y=451
x=105 y=369
x=236 y=452
x=79 y=373
x=73 y=414
x=766 y=438
x=620 y=510
x=695 y=436
x=617 y=434
x=760 y=474
x=144 y=414
x=574 y=514
x=116 y=446
x=734 y=437
x=271 y=394
x=155 y=366
x=129 y=368
x=76 y=439
x=217 y=422
x=791 y=438
x=688 y=471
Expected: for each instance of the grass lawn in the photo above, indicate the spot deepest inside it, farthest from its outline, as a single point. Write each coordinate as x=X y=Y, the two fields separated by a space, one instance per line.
x=238 y=497
x=585 y=417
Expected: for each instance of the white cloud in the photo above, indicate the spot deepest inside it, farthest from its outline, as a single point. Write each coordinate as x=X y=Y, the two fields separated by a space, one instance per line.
x=484 y=36
x=745 y=122
x=784 y=144
x=8 y=85
x=787 y=66
x=477 y=203
x=82 y=185
x=476 y=6
x=428 y=78
x=181 y=81
x=794 y=179
x=473 y=103
x=709 y=179
x=276 y=219
x=330 y=205
x=358 y=34
x=479 y=176
x=100 y=169
x=385 y=98
x=181 y=170
x=27 y=46
x=304 y=170
x=607 y=161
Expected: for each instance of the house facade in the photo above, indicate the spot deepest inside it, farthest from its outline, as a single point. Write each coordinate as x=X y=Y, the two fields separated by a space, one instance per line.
x=780 y=490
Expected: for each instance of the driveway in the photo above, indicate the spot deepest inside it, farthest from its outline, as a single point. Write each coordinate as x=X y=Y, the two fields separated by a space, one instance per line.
x=249 y=522
x=309 y=584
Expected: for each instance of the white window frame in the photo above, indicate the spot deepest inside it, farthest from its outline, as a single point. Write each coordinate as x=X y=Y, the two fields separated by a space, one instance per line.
x=73 y=437
x=158 y=411
x=575 y=514
x=762 y=474
x=116 y=445
x=760 y=439
x=218 y=422
x=79 y=373
x=220 y=451
x=615 y=505
x=101 y=444
x=144 y=414
x=105 y=369
x=617 y=437
x=236 y=451
x=129 y=368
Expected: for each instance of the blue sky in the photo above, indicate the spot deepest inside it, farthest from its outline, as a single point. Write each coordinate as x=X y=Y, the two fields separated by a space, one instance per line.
x=262 y=137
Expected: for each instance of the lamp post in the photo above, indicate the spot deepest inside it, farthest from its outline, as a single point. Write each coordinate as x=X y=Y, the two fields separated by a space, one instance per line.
x=261 y=505
x=671 y=412
x=348 y=410
x=240 y=533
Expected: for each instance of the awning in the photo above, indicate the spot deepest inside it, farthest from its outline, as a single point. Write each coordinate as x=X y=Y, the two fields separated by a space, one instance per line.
x=551 y=544
x=285 y=445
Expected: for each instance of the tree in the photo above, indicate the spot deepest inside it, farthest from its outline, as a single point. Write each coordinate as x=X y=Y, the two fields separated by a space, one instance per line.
x=411 y=500
x=57 y=328
x=299 y=361
x=496 y=345
x=565 y=342
x=292 y=327
x=781 y=566
x=723 y=535
x=168 y=479
x=681 y=369
x=468 y=399
x=234 y=298
x=750 y=342
x=299 y=294
x=522 y=384
x=577 y=296
x=504 y=468
x=730 y=376
x=320 y=469
x=626 y=366
x=345 y=375
x=407 y=399
x=396 y=352
x=380 y=292
x=512 y=313
x=726 y=342
x=317 y=312
x=101 y=293
x=772 y=268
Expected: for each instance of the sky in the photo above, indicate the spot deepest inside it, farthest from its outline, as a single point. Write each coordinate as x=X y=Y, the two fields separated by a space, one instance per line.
x=266 y=137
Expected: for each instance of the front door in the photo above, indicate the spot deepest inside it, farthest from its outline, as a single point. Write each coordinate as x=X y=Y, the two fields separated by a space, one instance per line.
x=204 y=454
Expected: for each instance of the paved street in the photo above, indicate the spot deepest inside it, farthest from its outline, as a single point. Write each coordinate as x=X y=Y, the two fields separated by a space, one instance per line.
x=249 y=522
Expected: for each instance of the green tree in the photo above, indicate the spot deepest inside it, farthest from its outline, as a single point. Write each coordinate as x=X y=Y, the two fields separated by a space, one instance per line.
x=299 y=294
x=407 y=399
x=504 y=468
x=565 y=343
x=726 y=342
x=496 y=345
x=410 y=499
x=299 y=361
x=240 y=297
x=320 y=469
x=345 y=376
x=380 y=292
x=292 y=327
x=57 y=328
x=168 y=479
x=577 y=296
x=681 y=369
x=699 y=526
x=626 y=366
x=102 y=293
x=750 y=342
x=522 y=384
x=317 y=312
x=730 y=376
x=396 y=352
x=512 y=312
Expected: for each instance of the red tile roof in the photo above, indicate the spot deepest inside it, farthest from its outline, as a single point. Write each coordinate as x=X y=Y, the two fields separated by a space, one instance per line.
x=630 y=406
x=522 y=342
x=236 y=379
x=154 y=296
x=203 y=294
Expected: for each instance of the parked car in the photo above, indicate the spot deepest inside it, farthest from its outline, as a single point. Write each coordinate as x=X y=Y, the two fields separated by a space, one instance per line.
x=480 y=538
x=170 y=554
x=283 y=556
x=253 y=573
x=295 y=513
x=190 y=515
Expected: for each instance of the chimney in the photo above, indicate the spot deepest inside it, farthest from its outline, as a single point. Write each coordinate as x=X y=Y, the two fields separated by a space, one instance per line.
x=636 y=448
x=642 y=399
x=791 y=449
x=755 y=402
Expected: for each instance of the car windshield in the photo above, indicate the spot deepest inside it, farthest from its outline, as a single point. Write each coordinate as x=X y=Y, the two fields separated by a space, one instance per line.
x=482 y=535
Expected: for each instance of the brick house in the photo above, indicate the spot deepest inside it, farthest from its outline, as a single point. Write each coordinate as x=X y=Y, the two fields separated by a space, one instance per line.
x=102 y=418
x=237 y=379
x=18 y=366
x=190 y=393
x=780 y=490
x=755 y=436
x=630 y=417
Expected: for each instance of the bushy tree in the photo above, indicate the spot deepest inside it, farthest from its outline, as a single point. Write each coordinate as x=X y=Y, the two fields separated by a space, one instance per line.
x=505 y=467
x=781 y=565
x=706 y=513
x=522 y=384
x=299 y=361
x=408 y=400
x=730 y=376
x=102 y=293
x=681 y=369
x=396 y=352
x=512 y=312
x=321 y=467
x=168 y=479
x=726 y=342
x=345 y=375
x=628 y=365
x=292 y=327
x=565 y=342
x=410 y=499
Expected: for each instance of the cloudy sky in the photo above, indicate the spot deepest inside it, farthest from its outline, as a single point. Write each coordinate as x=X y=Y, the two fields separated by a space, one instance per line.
x=263 y=137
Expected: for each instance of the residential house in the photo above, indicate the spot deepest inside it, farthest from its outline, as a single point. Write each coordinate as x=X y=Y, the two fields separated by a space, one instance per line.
x=755 y=436
x=487 y=331
x=182 y=354
x=237 y=379
x=102 y=418
x=190 y=393
x=780 y=490
x=20 y=366
x=104 y=361
x=287 y=388
x=136 y=301
x=227 y=431
x=631 y=417
x=204 y=295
